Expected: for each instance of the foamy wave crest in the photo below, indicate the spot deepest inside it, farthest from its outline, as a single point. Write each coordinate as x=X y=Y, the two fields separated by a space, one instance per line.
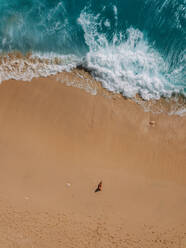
x=18 y=67
x=126 y=64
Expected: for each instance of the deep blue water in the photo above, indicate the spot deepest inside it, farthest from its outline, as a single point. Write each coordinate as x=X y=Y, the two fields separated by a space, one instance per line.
x=132 y=46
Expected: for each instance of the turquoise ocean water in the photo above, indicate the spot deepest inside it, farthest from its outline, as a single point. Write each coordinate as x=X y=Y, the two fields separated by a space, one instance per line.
x=131 y=46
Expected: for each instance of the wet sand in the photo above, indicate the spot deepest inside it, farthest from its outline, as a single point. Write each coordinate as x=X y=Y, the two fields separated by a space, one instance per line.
x=58 y=142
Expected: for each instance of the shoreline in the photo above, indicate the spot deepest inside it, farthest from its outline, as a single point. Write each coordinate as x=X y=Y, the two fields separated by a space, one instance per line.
x=53 y=136
x=28 y=66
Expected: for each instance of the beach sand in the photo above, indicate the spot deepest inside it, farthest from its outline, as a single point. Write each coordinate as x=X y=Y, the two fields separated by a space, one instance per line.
x=58 y=142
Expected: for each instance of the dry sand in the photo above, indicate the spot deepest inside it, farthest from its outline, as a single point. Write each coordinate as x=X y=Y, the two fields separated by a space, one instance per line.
x=58 y=142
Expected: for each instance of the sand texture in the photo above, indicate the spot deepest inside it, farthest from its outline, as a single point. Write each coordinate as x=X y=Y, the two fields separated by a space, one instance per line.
x=58 y=142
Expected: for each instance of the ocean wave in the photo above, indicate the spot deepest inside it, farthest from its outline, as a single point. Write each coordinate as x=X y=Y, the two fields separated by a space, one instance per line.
x=128 y=64
x=131 y=50
x=19 y=67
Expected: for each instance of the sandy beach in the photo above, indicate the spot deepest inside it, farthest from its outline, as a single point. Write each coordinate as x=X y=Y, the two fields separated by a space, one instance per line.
x=57 y=142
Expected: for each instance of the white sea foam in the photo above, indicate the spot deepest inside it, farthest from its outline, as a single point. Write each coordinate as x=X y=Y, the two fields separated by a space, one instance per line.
x=127 y=64
x=35 y=65
x=181 y=112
